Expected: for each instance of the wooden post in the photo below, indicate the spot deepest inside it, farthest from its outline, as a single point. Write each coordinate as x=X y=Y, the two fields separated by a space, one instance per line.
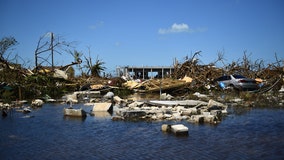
x=36 y=61
x=52 y=63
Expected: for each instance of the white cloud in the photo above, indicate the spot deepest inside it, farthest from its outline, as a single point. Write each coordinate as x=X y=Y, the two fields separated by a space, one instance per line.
x=178 y=28
x=175 y=28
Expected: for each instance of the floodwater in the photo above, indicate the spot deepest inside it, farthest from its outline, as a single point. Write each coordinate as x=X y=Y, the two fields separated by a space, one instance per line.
x=46 y=134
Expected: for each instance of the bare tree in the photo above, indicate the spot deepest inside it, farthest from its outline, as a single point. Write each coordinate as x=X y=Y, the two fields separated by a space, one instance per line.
x=46 y=43
x=5 y=44
x=220 y=58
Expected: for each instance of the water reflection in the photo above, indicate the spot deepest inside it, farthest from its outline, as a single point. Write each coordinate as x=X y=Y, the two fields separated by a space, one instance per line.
x=101 y=114
x=239 y=110
x=73 y=118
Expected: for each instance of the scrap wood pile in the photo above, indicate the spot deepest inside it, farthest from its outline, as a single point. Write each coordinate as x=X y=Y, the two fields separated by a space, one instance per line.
x=154 y=85
x=98 y=83
x=201 y=74
x=204 y=75
x=271 y=76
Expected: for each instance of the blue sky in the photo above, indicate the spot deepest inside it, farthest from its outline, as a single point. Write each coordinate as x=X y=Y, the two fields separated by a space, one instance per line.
x=148 y=32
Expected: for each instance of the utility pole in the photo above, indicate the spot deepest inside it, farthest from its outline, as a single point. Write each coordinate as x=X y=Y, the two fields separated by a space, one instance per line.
x=36 y=61
x=39 y=50
x=51 y=43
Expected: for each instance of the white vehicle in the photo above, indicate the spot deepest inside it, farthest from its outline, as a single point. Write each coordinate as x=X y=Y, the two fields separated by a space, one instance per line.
x=237 y=82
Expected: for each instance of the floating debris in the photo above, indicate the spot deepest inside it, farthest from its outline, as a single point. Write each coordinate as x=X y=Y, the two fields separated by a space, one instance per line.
x=177 y=129
x=37 y=103
x=75 y=112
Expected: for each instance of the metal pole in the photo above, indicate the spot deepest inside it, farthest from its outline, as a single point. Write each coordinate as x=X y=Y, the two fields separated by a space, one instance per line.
x=143 y=73
x=162 y=72
x=160 y=88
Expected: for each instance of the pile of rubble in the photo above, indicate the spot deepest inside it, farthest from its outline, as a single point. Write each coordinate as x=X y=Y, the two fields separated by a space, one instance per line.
x=195 y=111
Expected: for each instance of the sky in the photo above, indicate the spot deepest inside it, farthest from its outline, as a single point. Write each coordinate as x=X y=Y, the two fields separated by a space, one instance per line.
x=147 y=32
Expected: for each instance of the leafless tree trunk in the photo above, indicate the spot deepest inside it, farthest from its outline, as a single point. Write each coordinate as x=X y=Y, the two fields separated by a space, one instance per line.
x=46 y=43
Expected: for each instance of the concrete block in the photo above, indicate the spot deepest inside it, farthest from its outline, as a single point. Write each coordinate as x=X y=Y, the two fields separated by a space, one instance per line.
x=117 y=99
x=135 y=104
x=179 y=129
x=209 y=118
x=74 y=112
x=166 y=128
x=197 y=118
x=107 y=107
x=212 y=103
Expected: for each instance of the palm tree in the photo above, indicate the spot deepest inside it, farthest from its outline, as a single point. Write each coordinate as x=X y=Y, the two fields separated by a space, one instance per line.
x=97 y=68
